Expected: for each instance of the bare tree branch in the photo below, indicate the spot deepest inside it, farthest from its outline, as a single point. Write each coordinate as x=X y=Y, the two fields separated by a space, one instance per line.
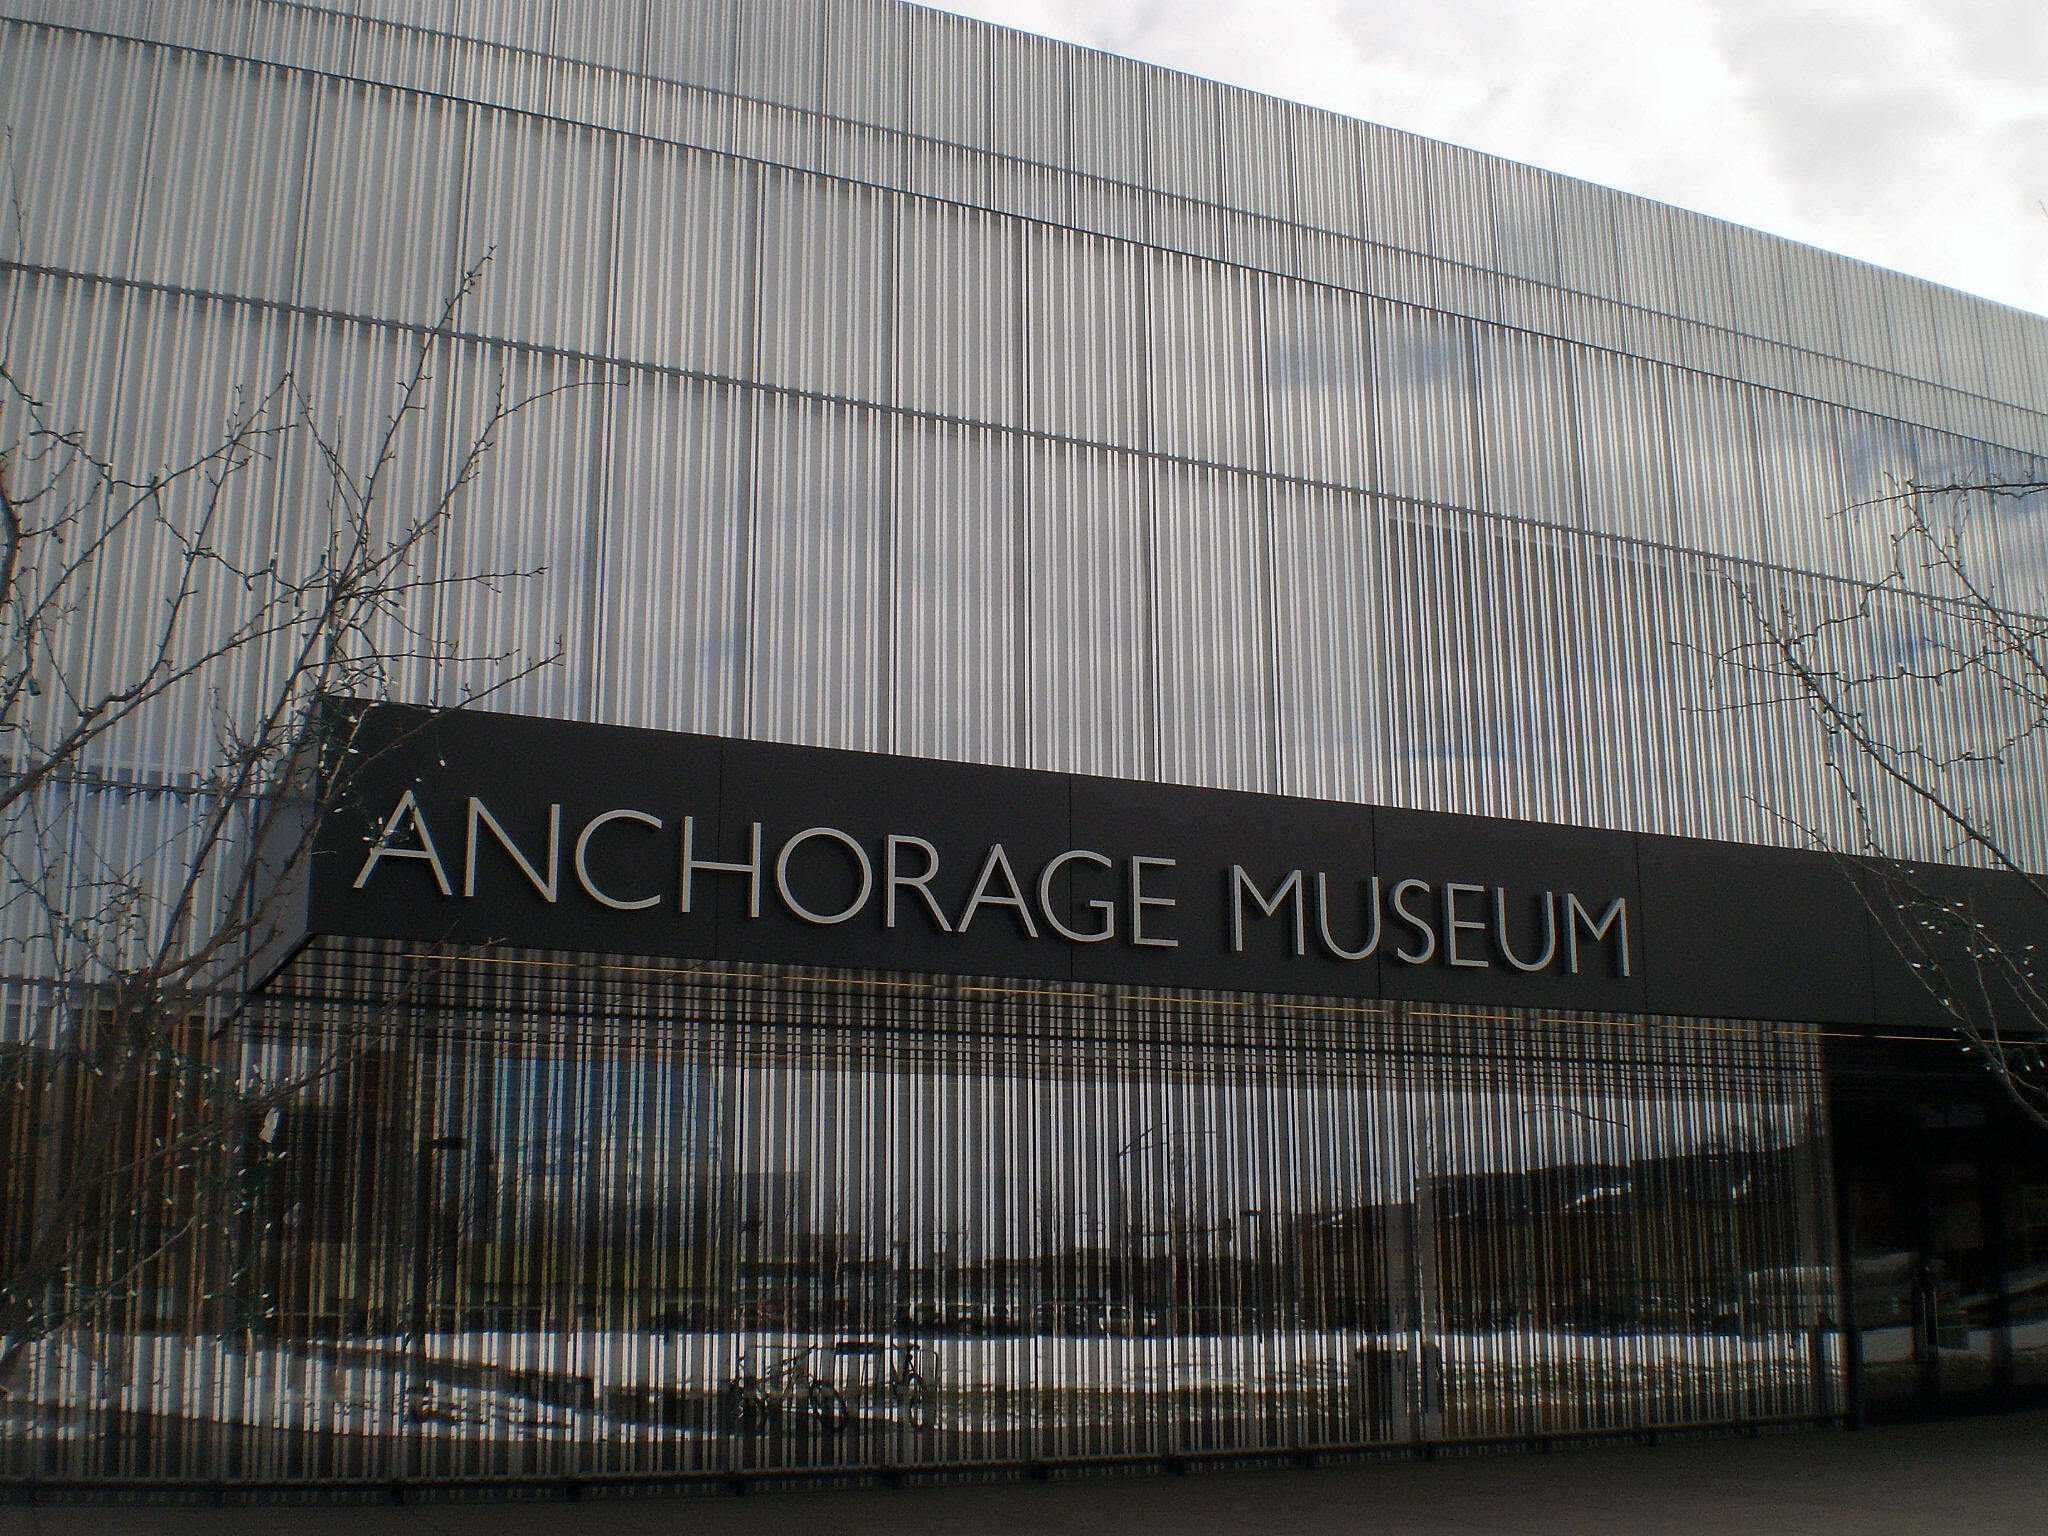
x=1928 y=684
x=131 y=947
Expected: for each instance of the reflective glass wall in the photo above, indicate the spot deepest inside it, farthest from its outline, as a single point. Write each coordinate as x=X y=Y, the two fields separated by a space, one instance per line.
x=913 y=385
x=750 y=1221
x=904 y=383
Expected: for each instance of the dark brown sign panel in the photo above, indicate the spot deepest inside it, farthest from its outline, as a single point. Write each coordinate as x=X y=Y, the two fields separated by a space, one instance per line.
x=470 y=827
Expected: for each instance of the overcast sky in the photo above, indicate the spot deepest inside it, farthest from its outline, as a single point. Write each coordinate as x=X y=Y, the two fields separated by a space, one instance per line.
x=1910 y=133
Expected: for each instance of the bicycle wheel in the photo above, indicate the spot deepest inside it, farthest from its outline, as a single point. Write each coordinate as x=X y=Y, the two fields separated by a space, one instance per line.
x=828 y=1407
x=741 y=1410
x=914 y=1401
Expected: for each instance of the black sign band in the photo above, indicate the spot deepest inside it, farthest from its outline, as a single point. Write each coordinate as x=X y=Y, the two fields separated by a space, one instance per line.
x=470 y=827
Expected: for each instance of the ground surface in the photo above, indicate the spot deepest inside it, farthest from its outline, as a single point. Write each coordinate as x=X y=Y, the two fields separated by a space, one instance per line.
x=1974 y=1477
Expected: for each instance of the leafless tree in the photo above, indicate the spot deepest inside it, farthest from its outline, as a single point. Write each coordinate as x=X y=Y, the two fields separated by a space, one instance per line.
x=197 y=614
x=1929 y=686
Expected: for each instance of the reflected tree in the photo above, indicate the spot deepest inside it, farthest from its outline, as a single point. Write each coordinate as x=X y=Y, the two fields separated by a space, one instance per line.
x=1928 y=686
x=165 y=634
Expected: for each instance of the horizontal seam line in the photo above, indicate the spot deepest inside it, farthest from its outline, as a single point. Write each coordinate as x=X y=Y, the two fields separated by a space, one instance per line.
x=1519 y=521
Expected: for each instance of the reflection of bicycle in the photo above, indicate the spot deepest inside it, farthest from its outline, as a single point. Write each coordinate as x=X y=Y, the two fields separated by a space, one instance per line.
x=888 y=1375
x=422 y=1406
x=778 y=1392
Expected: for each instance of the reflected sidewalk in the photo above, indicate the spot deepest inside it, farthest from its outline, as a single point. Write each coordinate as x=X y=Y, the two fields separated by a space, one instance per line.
x=1970 y=1477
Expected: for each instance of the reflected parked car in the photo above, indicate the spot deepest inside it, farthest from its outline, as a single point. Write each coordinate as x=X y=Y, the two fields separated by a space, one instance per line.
x=985 y=1318
x=1802 y=1295
x=690 y=1317
x=1100 y=1319
x=763 y=1317
x=1600 y=1310
x=1204 y=1321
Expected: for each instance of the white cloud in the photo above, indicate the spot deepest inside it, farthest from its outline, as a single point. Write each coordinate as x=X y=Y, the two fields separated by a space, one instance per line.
x=1910 y=133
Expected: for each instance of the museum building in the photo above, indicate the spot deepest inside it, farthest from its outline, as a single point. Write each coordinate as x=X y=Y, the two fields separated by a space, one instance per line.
x=1103 y=814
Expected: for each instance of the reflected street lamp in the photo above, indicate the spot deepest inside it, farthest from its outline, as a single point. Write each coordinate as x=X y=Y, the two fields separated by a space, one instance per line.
x=416 y=1387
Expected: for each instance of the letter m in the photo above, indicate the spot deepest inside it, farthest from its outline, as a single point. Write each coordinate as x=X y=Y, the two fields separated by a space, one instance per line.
x=1289 y=889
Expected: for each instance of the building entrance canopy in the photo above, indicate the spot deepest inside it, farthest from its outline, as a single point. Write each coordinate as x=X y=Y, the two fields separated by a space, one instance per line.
x=465 y=827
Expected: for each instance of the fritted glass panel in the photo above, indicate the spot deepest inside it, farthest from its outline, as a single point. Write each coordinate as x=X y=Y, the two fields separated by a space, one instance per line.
x=1083 y=317
x=1215 y=641
x=1324 y=167
x=534 y=626
x=1510 y=683
x=955 y=51
x=1317 y=383
x=1183 y=133
x=1332 y=662
x=384 y=205
x=1529 y=441
x=958 y=673
x=100 y=533
x=863 y=73
x=1713 y=467
x=542 y=202
x=1424 y=427
x=676 y=553
x=208 y=220
x=827 y=262
x=686 y=260
x=1201 y=348
x=956 y=313
x=696 y=46
x=51 y=144
x=1088 y=614
x=1524 y=241
x=818 y=644
x=1113 y=139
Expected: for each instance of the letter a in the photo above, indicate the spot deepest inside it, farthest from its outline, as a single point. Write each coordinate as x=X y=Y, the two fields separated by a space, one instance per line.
x=407 y=810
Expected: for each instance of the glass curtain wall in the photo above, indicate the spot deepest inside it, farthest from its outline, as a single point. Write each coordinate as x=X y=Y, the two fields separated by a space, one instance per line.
x=762 y=1221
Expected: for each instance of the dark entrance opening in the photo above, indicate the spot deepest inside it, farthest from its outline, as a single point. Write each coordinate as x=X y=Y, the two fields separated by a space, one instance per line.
x=1943 y=1189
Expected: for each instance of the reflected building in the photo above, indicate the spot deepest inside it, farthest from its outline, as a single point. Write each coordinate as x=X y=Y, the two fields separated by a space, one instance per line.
x=909 y=386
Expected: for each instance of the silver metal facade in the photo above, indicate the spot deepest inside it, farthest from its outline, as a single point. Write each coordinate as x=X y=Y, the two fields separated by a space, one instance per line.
x=974 y=396
x=952 y=392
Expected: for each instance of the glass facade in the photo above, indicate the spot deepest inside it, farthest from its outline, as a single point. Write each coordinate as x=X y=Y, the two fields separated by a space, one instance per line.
x=749 y=1220
x=910 y=385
